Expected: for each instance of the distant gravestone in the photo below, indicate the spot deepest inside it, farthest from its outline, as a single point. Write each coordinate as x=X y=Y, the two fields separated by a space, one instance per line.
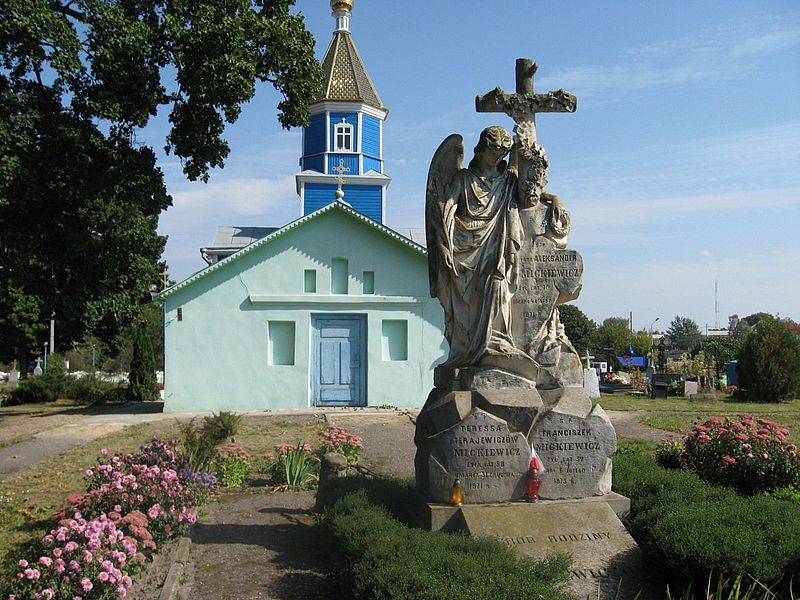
x=37 y=370
x=690 y=388
x=13 y=376
x=591 y=383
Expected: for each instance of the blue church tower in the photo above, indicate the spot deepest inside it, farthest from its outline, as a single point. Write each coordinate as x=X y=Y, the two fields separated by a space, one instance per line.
x=342 y=154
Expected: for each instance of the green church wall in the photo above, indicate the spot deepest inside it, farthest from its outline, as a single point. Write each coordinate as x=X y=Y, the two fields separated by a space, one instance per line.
x=216 y=353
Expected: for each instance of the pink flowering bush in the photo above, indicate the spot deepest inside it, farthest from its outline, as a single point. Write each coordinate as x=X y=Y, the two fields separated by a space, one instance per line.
x=131 y=505
x=338 y=439
x=80 y=559
x=750 y=455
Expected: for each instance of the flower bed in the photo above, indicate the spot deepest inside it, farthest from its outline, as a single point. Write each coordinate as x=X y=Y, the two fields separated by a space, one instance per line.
x=132 y=504
x=747 y=454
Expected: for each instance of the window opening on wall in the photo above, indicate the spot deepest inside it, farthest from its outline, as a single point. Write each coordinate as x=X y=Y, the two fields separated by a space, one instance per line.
x=394 y=339
x=280 y=343
x=368 y=282
x=343 y=134
x=339 y=276
x=310 y=281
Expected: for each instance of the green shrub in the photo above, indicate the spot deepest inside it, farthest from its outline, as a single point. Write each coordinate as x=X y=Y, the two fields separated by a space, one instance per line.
x=199 y=448
x=222 y=426
x=142 y=385
x=379 y=557
x=91 y=390
x=696 y=530
x=35 y=390
x=232 y=465
x=747 y=454
x=790 y=493
x=769 y=363
x=670 y=454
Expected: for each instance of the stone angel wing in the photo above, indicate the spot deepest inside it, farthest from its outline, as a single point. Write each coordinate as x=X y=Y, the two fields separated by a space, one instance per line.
x=439 y=209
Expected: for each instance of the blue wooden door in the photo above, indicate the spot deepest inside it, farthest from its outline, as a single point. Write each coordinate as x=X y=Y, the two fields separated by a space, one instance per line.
x=338 y=375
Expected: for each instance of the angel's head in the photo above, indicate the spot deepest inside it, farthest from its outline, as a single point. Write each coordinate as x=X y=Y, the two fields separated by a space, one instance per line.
x=493 y=145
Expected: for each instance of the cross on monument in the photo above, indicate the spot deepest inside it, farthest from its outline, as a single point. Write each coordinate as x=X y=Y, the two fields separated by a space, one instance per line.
x=523 y=106
x=340 y=170
x=164 y=280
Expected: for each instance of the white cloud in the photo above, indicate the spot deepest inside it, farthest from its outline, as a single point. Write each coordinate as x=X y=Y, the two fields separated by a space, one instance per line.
x=723 y=54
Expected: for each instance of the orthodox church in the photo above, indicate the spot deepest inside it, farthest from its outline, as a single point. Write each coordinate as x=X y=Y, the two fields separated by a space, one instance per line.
x=332 y=309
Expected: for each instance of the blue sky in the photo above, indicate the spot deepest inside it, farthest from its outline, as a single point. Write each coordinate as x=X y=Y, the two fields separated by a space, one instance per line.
x=681 y=165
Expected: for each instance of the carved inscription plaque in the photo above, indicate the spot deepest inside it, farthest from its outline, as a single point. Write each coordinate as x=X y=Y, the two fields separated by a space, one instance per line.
x=576 y=453
x=548 y=276
x=490 y=461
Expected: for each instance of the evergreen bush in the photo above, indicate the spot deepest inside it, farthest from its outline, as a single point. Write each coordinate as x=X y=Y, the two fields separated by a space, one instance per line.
x=379 y=557
x=697 y=531
x=142 y=385
x=769 y=363
x=91 y=390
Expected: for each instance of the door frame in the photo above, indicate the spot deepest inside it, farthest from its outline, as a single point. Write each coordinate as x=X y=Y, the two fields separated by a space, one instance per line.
x=314 y=354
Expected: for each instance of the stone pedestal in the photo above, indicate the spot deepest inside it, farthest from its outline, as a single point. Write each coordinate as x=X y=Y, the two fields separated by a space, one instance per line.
x=607 y=563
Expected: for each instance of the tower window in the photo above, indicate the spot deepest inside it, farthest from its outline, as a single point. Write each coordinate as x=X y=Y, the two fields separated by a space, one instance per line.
x=343 y=134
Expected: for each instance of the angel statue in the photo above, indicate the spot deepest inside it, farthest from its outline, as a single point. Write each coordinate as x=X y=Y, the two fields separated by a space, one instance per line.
x=474 y=232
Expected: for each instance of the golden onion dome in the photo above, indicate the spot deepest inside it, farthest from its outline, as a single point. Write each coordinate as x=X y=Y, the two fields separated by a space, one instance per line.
x=342 y=5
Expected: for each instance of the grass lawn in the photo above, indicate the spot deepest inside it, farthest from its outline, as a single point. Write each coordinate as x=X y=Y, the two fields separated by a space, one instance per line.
x=29 y=498
x=678 y=413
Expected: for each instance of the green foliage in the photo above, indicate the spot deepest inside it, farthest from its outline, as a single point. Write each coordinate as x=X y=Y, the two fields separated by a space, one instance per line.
x=683 y=334
x=340 y=440
x=91 y=390
x=294 y=467
x=221 y=426
x=580 y=329
x=36 y=390
x=642 y=343
x=613 y=333
x=56 y=367
x=200 y=443
x=142 y=385
x=696 y=531
x=379 y=557
x=79 y=196
x=769 y=363
x=200 y=449
x=738 y=588
x=749 y=455
x=232 y=465
x=790 y=493
x=670 y=454
x=720 y=350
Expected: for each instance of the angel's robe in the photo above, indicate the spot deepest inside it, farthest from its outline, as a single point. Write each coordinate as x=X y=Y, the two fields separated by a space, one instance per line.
x=481 y=229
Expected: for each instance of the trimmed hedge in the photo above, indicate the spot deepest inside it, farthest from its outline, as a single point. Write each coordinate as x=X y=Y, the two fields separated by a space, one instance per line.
x=378 y=557
x=697 y=530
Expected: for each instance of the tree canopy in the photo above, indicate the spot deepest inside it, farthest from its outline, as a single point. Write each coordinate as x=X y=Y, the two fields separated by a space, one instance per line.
x=769 y=362
x=683 y=334
x=79 y=197
x=580 y=328
x=613 y=336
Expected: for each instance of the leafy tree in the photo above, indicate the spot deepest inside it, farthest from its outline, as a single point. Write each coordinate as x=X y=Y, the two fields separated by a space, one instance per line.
x=769 y=363
x=613 y=336
x=580 y=328
x=720 y=350
x=142 y=386
x=79 y=197
x=738 y=328
x=683 y=334
x=642 y=343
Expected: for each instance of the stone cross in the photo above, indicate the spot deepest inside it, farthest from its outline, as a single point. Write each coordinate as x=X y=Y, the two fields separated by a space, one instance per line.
x=164 y=280
x=523 y=106
x=340 y=170
x=588 y=359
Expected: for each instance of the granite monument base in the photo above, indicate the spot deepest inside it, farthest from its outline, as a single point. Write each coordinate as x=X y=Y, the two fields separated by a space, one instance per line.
x=607 y=563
